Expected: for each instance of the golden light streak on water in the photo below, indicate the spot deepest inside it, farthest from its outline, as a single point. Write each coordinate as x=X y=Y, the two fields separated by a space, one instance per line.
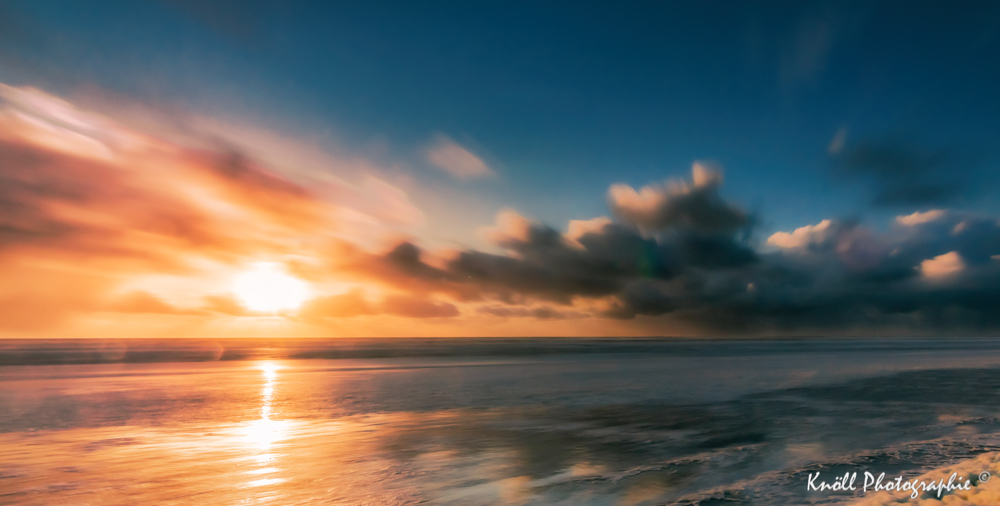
x=217 y=434
x=265 y=432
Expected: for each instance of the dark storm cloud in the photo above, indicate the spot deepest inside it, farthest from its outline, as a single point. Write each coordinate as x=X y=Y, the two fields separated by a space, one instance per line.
x=903 y=174
x=820 y=291
x=676 y=204
x=937 y=276
x=712 y=251
x=974 y=236
x=543 y=264
x=552 y=273
x=598 y=260
x=932 y=272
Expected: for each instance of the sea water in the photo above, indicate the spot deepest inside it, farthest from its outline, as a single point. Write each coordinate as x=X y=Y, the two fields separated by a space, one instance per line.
x=501 y=421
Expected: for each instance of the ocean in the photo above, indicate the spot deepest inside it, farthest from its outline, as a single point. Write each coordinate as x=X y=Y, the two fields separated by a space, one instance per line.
x=490 y=421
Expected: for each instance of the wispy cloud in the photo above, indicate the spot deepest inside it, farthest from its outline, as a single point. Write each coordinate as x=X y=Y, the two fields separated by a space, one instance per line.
x=918 y=218
x=87 y=204
x=457 y=160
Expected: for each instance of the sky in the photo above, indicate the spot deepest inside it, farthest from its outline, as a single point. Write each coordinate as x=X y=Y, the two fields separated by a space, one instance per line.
x=498 y=169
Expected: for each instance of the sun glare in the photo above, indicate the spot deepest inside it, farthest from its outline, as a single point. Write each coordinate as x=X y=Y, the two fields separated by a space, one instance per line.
x=267 y=288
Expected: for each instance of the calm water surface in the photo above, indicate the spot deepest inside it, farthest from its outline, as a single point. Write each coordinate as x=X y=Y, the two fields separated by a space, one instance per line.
x=442 y=422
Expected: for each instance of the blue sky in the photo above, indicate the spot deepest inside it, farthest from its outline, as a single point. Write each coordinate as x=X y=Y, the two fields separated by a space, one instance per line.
x=563 y=99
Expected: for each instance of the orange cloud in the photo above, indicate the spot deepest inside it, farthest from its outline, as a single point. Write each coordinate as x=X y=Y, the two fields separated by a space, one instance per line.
x=942 y=266
x=417 y=307
x=88 y=204
x=344 y=305
x=38 y=295
x=801 y=236
x=143 y=302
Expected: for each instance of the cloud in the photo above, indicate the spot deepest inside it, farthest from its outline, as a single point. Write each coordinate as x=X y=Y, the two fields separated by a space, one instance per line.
x=416 y=307
x=802 y=236
x=600 y=260
x=90 y=207
x=511 y=228
x=580 y=228
x=88 y=203
x=345 y=305
x=456 y=160
x=678 y=204
x=942 y=266
x=832 y=277
x=73 y=181
x=35 y=296
x=226 y=305
x=900 y=173
x=353 y=304
x=857 y=277
x=544 y=265
x=919 y=218
x=143 y=302
x=541 y=313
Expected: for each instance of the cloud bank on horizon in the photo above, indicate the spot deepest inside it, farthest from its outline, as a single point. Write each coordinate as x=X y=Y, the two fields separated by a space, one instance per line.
x=104 y=225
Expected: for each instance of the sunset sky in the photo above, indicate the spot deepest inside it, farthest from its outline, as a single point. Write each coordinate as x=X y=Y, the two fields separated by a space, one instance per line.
x=248 y=168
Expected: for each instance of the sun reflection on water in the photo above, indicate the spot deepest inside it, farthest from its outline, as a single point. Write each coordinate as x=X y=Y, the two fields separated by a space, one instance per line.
x=263 y=433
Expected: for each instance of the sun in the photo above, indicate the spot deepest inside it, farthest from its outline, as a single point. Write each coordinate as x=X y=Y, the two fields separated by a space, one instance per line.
x=267 y=288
